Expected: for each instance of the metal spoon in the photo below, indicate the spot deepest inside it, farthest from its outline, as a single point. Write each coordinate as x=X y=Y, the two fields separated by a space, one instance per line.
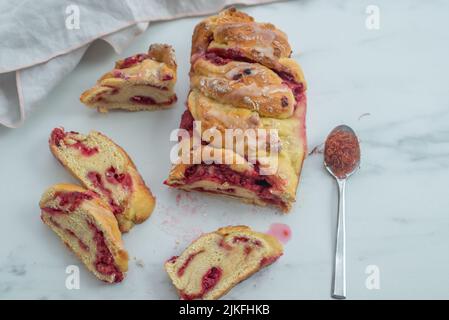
x=341 y=175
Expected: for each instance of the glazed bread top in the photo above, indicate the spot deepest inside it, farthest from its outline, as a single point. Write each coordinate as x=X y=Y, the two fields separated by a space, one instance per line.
x=242 y=77
x=157 y=67
x=235 y=35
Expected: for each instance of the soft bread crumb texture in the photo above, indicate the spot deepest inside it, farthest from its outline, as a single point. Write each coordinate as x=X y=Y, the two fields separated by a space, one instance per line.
x=217 y=261
x=109 y=172
x=140 y=82
x=75 y=227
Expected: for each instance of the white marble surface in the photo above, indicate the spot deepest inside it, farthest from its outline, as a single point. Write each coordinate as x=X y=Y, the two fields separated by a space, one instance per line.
x=398 y=203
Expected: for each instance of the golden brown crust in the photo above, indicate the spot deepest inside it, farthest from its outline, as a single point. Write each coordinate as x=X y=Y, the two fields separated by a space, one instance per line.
x=141 y=202
x=152 y=75
x=234 y=32
x=243 y=85
x=163 y=53
x=100 y=215
x=235 y=265
x=204 y=31
x=276 y=247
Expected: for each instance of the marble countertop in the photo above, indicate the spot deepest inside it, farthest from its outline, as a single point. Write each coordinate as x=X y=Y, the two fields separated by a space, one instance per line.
x=389 y=84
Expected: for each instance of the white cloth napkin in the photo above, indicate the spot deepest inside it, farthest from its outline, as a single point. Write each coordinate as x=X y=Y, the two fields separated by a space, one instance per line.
x=38 y=49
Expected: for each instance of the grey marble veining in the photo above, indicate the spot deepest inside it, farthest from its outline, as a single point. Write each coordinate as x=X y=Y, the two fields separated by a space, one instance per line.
x=390 y=85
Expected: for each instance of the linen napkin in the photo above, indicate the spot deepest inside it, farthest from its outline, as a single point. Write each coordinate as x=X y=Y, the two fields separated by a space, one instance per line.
x=43 y=41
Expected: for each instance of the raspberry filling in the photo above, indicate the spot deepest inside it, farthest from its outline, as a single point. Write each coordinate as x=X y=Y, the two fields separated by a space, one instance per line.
x=244 y=239
x=69 y=201
x=224 y=245
x=240 y=239
x=52 y=211
x=261 y=185
x=97 y=181
x=104 y=261
x=119 y=178
x=208 y=282
x=172 y=259
x=131 y=61
x=297 y=89
x=187 y=121
x=220 y=56
x=80 y=242
x=266 y=261
x=58 y=135
x=72 y=199
x=85 y=150
x=167 y=77
x=186 y=263
x=249 y=244
x=145 y=100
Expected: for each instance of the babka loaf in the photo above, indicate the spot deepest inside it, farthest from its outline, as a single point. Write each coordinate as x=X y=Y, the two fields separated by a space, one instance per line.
x=140 y=82
x=241 y=78
x=105 y=168
x=88 y=228
x=217 y=261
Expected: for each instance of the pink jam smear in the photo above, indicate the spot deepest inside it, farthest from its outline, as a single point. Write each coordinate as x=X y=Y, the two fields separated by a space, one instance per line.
x=280 y=231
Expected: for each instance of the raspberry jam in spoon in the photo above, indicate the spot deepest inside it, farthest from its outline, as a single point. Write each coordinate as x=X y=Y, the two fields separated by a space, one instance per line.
x=342 y=152
x=341 y=159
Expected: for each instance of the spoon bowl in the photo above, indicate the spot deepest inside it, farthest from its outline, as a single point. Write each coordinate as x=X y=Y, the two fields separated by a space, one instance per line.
x=351 y=167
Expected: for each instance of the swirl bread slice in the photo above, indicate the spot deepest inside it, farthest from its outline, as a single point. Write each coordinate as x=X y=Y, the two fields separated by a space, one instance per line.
x=88 y=228
x=217 y=261
x=141 y=82
x=105 y=168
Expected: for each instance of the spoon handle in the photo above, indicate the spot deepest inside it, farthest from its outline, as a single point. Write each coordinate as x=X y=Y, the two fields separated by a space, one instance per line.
x=339 y=283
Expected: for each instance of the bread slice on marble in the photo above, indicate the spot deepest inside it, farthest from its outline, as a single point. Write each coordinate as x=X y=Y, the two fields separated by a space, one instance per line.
x=105 y=168
x=141 y=82
x=88 y=228
x=217 y=261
